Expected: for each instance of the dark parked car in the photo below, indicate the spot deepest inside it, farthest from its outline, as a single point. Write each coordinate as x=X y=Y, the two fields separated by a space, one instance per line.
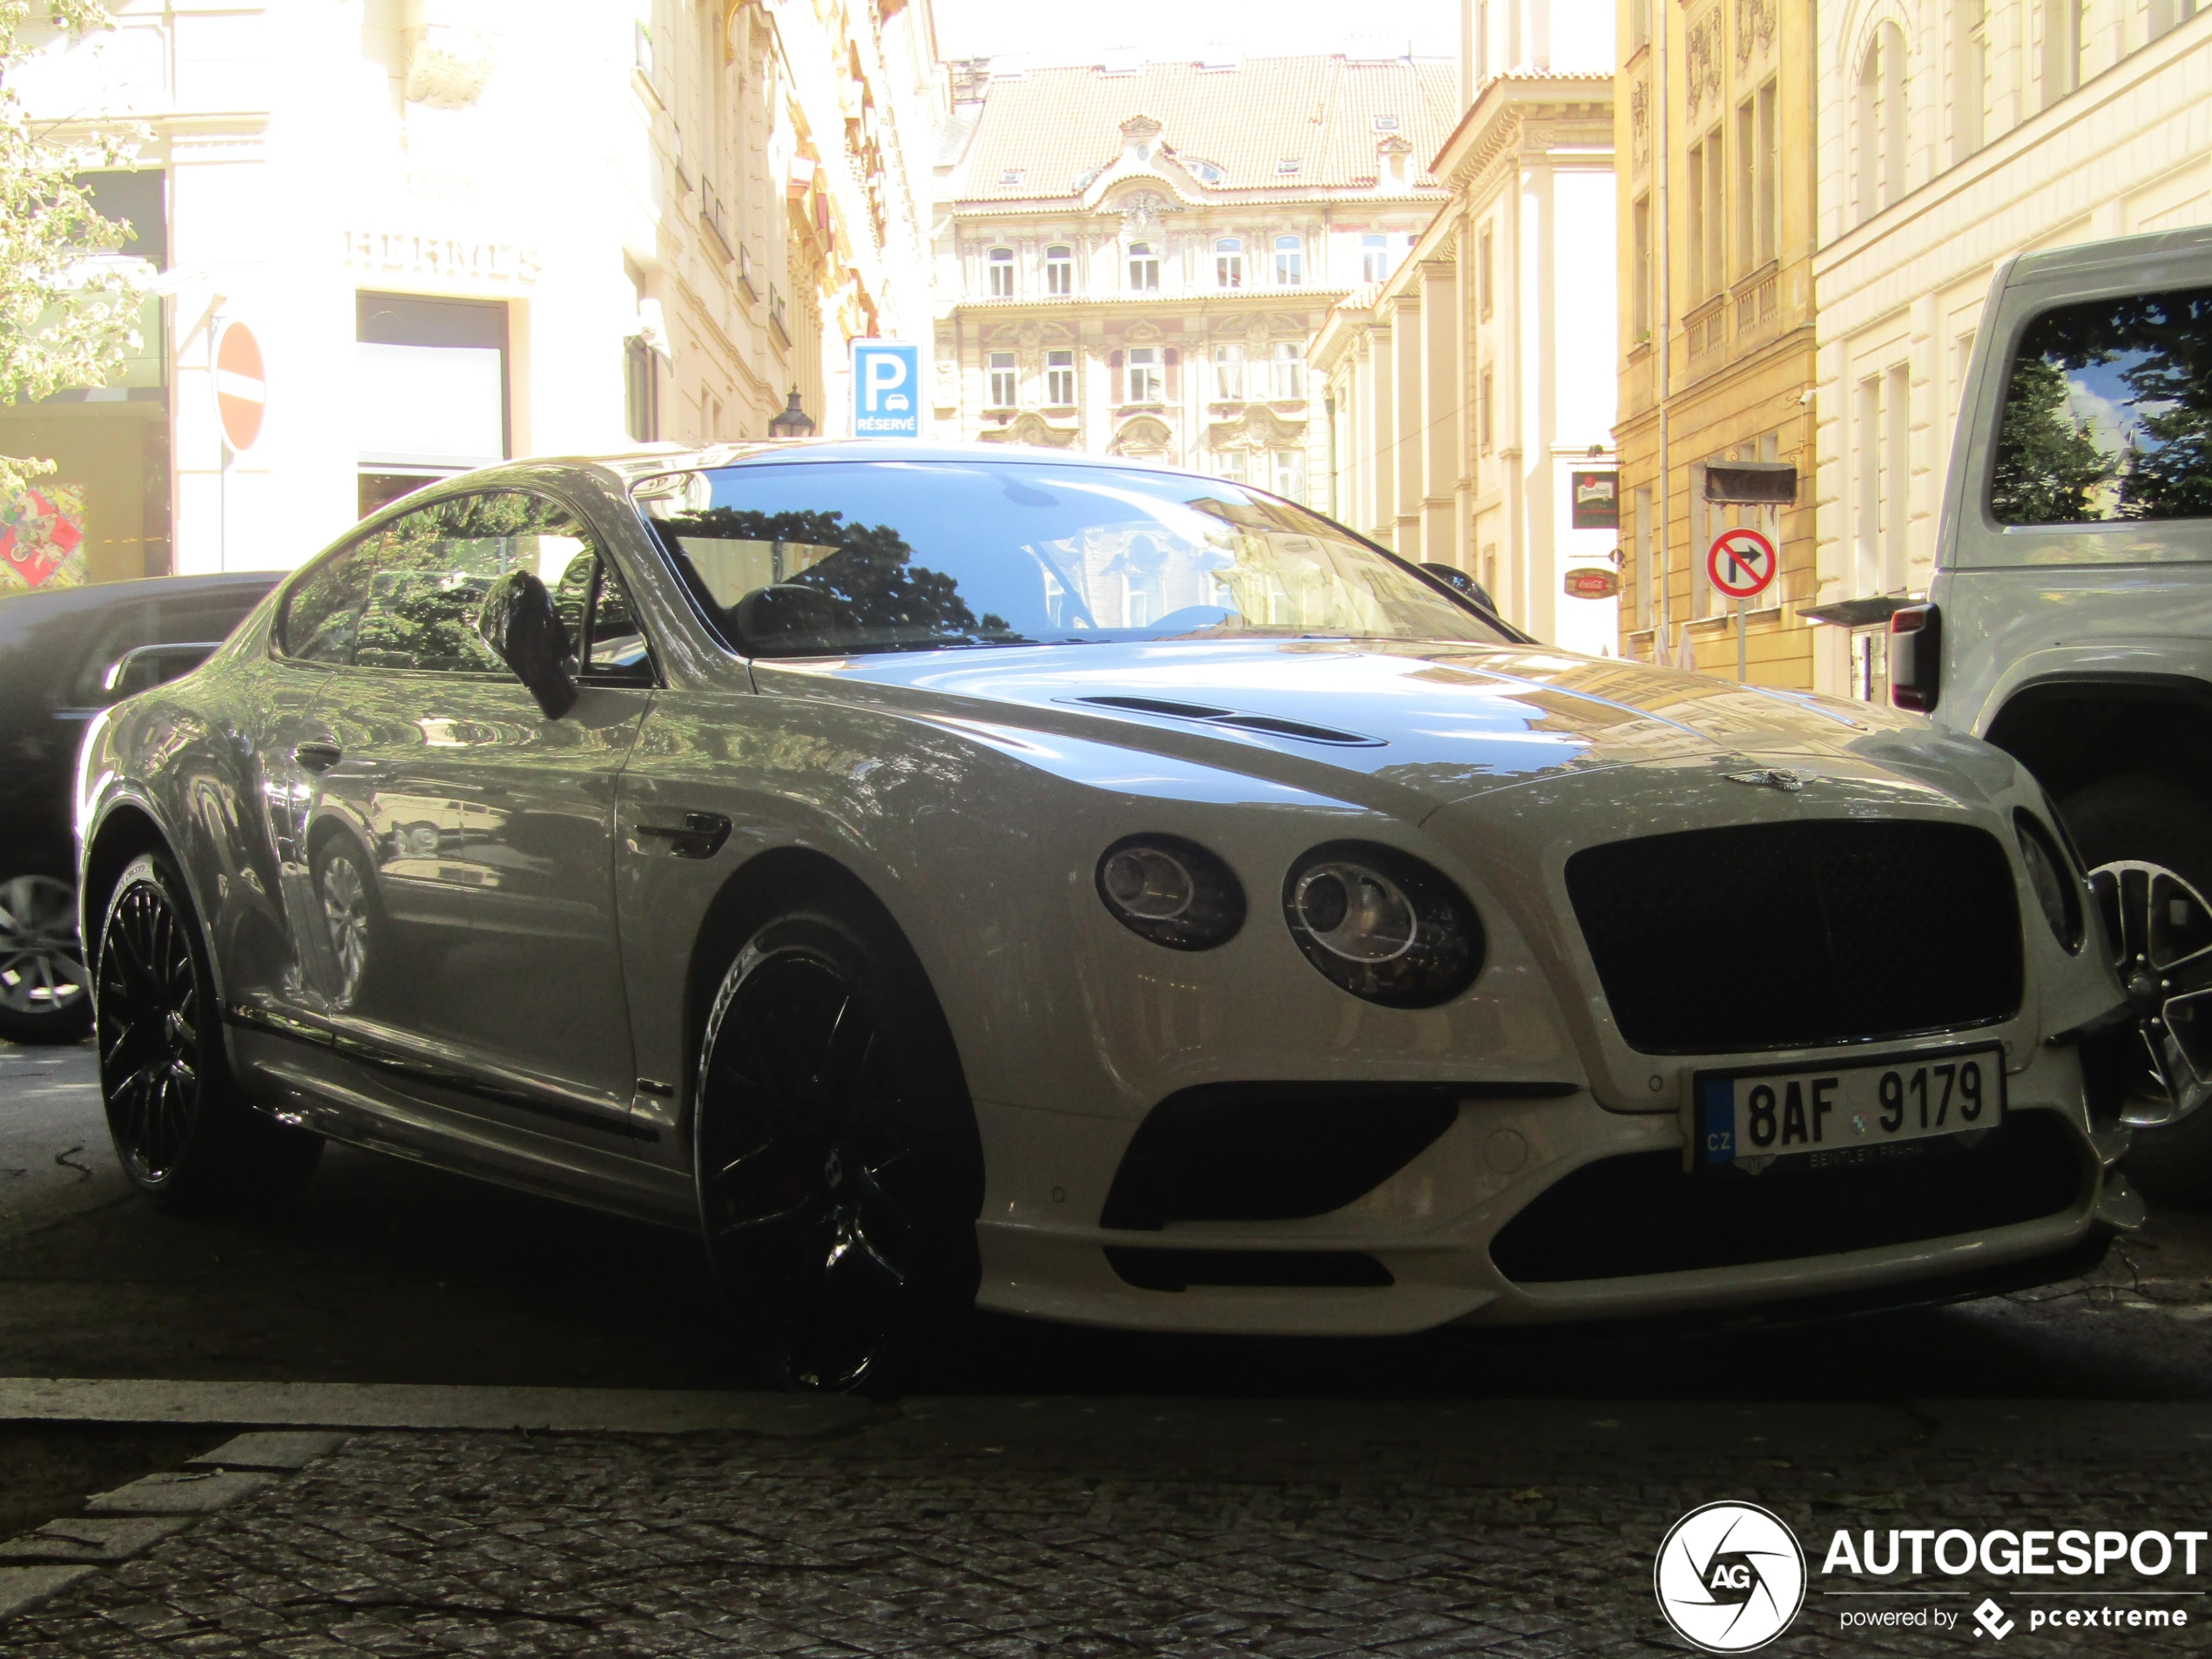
x=64 y=655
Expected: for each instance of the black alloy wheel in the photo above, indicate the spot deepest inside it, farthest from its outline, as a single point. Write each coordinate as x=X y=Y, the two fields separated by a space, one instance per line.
x=839 y=1170
x=181 y=1132
x=2148 y=842
x=45 y=995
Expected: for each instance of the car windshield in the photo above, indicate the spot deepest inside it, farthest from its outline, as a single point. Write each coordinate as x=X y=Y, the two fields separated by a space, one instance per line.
x=830 y=558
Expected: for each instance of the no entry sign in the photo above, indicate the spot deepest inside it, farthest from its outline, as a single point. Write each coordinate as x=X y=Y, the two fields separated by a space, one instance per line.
x=1740 y=562
x=241 y=385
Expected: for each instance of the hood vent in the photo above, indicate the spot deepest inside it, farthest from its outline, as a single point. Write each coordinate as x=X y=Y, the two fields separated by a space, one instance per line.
x=1265 y=725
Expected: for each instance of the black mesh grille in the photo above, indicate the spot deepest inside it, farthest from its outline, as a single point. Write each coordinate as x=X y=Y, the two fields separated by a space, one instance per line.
x=1624 y=1217
x=1791 y=935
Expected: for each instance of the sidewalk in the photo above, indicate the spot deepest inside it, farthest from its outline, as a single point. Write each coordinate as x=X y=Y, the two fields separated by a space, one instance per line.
x=987 y=1527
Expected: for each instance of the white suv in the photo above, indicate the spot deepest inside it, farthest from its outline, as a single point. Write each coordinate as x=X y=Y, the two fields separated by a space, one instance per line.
x=2070 y=622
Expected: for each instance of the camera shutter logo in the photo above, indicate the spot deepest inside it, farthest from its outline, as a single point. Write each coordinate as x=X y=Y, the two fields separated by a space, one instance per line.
x=1729 y=1577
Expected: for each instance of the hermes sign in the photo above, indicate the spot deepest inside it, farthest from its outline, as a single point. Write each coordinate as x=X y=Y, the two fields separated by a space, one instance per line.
x=463 y=257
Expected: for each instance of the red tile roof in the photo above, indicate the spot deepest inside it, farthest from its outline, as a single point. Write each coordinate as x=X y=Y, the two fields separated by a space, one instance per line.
x=1051 y=127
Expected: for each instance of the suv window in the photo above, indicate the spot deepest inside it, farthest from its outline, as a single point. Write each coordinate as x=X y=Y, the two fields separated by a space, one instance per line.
x=2108 y=414
x=175 y=620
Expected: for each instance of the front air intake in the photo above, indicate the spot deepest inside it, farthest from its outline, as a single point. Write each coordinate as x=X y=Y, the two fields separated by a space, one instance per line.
x=1796 y=935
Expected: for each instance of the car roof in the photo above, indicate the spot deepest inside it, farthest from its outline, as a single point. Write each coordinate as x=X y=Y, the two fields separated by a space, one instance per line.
x=2123 y=251
x=99 y=596
x=637 y=464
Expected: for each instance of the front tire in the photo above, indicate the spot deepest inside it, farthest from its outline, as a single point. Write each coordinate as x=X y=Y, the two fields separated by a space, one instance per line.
x=182 y=1131
x=45 y=995
x=838 y=1167
x=2148 y=842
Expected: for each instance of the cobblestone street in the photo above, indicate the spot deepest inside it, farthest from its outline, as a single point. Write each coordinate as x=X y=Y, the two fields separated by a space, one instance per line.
x=1008 y=1527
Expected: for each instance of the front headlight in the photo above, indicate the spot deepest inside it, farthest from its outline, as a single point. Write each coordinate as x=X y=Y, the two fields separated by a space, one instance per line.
x=1171 y=891
x=1383 y=925
x=2049 y=873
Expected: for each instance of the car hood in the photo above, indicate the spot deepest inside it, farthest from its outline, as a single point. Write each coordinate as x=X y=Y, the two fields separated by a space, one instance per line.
x=1444 y=721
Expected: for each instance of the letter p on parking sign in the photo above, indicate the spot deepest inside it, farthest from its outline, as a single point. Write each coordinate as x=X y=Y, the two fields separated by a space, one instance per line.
x=887 y=389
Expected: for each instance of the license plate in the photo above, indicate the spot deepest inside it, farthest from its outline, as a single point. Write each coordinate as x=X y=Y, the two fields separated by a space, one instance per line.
x=1839 y=1115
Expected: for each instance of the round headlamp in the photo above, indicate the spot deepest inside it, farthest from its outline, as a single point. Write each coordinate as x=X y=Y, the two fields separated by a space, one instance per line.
x=1383 y=925
x=2057 y=892
x=1171 y=891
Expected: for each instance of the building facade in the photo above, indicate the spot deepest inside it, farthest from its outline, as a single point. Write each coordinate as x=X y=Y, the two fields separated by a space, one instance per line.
x=1131 y=259
x=1952 y=135
x=1716 y=121
x=1471 y=390
x=466 y=230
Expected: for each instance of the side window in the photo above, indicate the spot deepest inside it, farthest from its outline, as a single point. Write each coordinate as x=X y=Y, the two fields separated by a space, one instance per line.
x=615 y=652
x=322 y=612
x=431 y=568
x=2108 y=414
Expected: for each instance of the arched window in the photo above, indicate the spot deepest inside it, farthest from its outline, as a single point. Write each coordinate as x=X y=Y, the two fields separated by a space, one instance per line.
x=1881 y=122
x=1059 y=271
x=1229 y=262
x=1002 y=268
x=1290 y=262
x=1143 y=268
x=1969 y=78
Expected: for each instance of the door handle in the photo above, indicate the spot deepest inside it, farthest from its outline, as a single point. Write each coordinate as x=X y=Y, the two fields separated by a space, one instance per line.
x=699 y=836
x=318 y=757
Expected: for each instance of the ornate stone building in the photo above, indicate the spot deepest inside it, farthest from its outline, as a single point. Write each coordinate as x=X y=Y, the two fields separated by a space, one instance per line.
x=466 y=230
x=1715 y=126
x=1131 y=259
x=1473 y=386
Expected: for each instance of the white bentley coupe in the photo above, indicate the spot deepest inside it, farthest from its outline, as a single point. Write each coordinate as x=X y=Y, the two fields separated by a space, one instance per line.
x=953 y=876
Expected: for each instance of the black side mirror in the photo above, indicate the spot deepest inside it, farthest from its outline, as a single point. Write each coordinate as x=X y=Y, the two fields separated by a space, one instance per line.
x=519 y=623
x=1463 y=585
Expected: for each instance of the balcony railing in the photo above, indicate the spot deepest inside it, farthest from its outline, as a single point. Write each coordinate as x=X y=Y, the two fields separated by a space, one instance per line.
x=711 y=216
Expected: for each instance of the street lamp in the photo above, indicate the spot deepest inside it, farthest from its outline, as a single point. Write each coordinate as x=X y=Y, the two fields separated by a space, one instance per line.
x=793 y=422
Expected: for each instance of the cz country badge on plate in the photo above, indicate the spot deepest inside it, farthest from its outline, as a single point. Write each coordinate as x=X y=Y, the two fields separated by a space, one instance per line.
x=1837 y=1114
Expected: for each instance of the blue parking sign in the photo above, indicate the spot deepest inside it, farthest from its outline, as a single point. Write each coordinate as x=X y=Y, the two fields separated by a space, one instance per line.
x=887 y=389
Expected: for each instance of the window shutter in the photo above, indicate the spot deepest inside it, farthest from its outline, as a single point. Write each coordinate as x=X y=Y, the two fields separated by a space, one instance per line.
x=1174 y=358
x=1115 y=362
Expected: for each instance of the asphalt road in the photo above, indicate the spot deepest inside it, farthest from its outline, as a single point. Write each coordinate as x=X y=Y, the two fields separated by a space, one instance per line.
x=384 y=1271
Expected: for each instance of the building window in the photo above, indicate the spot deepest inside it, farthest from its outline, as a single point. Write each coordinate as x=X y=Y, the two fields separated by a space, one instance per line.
x=1288 y=469
x=1882 y=121
x=1002 y=268
x=1059 y=379
x=1485 y=432
x=1769 y=222
x=1290 y=371
x=1229 y=263
x=2061 y=49
x=1640 y=295
x=1708 y=219
x=1229 y=374
x=1003 y=379
x=2169 y=14
x=1290 y=262
x=1969 y=80
x=1695 y=210
x=1374 y=258
x=1145 y=375
x=1059 y=271
x=1647 y=566
x=1485 y=279
x=1639 y=24
x=1481 y=43
x=1229 y=464
x=1143 y=268
x=1747 y=192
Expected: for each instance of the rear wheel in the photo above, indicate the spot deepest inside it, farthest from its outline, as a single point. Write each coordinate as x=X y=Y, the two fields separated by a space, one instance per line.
x=45 y=994
x=2148 y=842
x=840 y=1171
x=182 y=1132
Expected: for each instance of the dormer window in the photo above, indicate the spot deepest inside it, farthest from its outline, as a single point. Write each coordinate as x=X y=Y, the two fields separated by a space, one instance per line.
x=1206 y=173
x=1385 y=124
x=1290 y=262
x=1229 y=262
x=1059 y=271
x=1143 y=268
x=1288 y=164
x=1002 y=268
x=1011 y=176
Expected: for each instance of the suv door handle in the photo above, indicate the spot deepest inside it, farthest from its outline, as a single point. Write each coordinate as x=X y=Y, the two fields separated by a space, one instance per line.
x=318 y=757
